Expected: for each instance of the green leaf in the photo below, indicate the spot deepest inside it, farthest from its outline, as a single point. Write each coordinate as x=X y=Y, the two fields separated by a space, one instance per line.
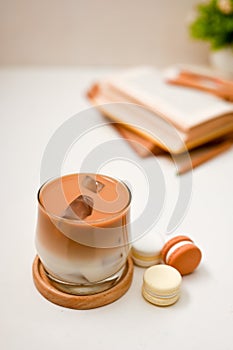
x=212 y=25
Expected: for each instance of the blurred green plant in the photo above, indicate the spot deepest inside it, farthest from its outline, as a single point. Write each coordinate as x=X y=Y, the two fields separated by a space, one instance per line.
x=214 y=23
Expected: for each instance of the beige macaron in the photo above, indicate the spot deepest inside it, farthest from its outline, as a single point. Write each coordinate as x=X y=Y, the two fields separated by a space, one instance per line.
x=146 y=251
x=161 y=285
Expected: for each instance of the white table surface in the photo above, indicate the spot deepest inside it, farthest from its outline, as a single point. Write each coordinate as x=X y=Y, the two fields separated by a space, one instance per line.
x=34 y=102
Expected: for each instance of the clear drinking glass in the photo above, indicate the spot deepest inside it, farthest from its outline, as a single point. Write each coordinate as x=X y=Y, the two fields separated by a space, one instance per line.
x=83 y=255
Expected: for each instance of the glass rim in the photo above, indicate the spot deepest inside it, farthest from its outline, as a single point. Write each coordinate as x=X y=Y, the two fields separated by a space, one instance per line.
x=83 y=222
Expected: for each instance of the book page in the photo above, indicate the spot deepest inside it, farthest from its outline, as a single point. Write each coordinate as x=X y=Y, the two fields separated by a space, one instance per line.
x=184 y=107
x=143 y=121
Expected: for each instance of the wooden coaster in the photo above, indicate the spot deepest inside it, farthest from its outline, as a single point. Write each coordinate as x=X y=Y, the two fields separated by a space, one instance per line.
x=83 y=302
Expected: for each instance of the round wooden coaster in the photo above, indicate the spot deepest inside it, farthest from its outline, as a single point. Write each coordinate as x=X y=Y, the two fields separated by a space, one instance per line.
x=83 y=302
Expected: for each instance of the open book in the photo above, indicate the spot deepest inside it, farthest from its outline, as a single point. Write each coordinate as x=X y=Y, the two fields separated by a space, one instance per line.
x=142 y=100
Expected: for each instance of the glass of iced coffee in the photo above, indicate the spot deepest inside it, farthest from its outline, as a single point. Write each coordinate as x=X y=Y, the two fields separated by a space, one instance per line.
x=82 y=235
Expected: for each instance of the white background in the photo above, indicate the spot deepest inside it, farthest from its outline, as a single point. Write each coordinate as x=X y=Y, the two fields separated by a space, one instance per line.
x=34 y=102
x=87 y=32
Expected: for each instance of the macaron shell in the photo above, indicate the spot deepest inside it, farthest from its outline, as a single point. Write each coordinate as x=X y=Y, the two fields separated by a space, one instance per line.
x=171 y=243
x=144 y=261
x=162 y=280
x=146 y=251
x=185 y=259
x=160 y=301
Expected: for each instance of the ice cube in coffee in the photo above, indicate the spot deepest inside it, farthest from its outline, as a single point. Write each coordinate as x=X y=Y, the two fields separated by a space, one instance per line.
x=92 y=184
x=83 y=231
x=79 y=209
